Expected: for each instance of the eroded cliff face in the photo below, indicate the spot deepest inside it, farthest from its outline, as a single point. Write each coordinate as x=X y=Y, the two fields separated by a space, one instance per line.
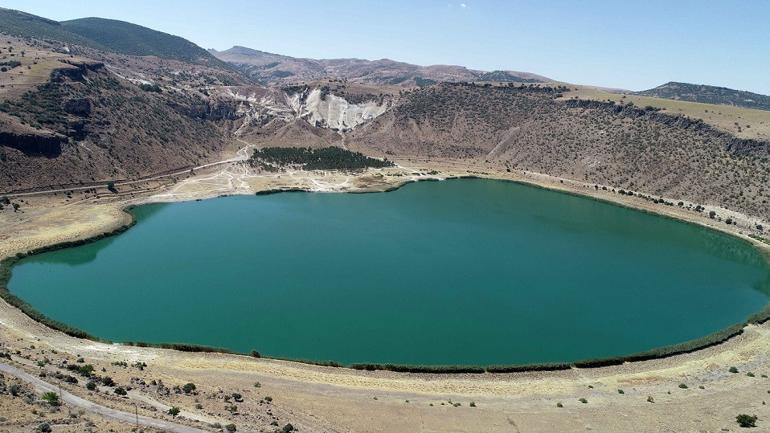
x=256 y=107
x=326 y=110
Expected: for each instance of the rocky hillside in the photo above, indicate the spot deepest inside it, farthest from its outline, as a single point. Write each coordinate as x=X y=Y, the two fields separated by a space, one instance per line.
x=604 y=143
x=709 y=95
x=68 y=118
x=83 y=112
x=268 y=68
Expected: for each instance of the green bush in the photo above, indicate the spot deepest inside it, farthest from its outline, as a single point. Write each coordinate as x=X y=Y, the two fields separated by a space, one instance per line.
x=188 y=388
x=746 y=421
x=51 y=398
x=326 y=158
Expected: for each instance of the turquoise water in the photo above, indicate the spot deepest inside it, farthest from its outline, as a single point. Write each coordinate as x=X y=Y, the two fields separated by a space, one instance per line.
x=472 y=272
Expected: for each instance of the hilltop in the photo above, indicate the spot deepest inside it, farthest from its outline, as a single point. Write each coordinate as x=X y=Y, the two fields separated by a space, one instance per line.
x=269 y=68
x=709 y=95
x=109 y=35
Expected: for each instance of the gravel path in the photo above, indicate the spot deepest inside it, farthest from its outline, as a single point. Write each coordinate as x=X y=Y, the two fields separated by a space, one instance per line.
x=81 y=403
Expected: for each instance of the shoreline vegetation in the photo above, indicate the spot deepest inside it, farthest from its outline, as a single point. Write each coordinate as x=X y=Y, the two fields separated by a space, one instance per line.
x=710 y=340
x=326 y=158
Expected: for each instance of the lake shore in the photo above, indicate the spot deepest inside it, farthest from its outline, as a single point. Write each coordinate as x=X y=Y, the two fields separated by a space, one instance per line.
x=325 y=398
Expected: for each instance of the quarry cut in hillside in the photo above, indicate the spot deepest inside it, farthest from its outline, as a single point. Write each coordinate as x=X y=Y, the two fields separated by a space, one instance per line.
x=323 y=109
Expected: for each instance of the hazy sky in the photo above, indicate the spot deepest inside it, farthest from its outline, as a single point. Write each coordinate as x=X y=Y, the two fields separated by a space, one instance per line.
x=627 y=44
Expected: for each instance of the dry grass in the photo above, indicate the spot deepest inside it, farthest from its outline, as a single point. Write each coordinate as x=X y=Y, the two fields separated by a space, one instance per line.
x=743 y=122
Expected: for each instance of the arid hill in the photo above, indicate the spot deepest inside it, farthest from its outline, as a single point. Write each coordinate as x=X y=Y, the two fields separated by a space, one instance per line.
x=269 y=68
x=709 y=95
x=531 y=128
x=80 y=113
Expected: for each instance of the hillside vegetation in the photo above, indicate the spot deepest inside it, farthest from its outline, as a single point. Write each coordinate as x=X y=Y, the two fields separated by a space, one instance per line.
x=17 y=23
x=108 y=35
x=709 y=95
x=739 y=121
x=326 y=158
x=531 y=128
x=126 y=38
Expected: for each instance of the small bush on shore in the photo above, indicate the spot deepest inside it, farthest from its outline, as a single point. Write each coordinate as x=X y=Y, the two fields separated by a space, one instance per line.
x=746 y=421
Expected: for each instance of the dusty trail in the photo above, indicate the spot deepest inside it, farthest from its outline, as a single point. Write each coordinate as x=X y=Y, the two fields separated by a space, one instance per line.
x=74 y=401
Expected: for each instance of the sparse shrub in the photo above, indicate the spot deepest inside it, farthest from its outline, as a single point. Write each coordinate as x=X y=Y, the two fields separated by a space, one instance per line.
x=620 y=391
x=188 y=387
x=583 y=400
x=650 y=399
x=733 y=370
x=91 y=385
x=51 y=398
x=750 y=374
x=231 y=427
x=559 y=404
x=746 y=421
x=150 y=88
x=174 y=411
x=120 y=391
x=683 y=386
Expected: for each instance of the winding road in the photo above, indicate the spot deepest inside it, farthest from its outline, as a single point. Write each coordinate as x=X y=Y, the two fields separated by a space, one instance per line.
x=241 y=155
x=88 y=406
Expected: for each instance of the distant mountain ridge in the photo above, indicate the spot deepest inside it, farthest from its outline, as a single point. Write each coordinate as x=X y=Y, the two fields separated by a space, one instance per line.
x=107 y=35
x=269 y=68
x=708 y=95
